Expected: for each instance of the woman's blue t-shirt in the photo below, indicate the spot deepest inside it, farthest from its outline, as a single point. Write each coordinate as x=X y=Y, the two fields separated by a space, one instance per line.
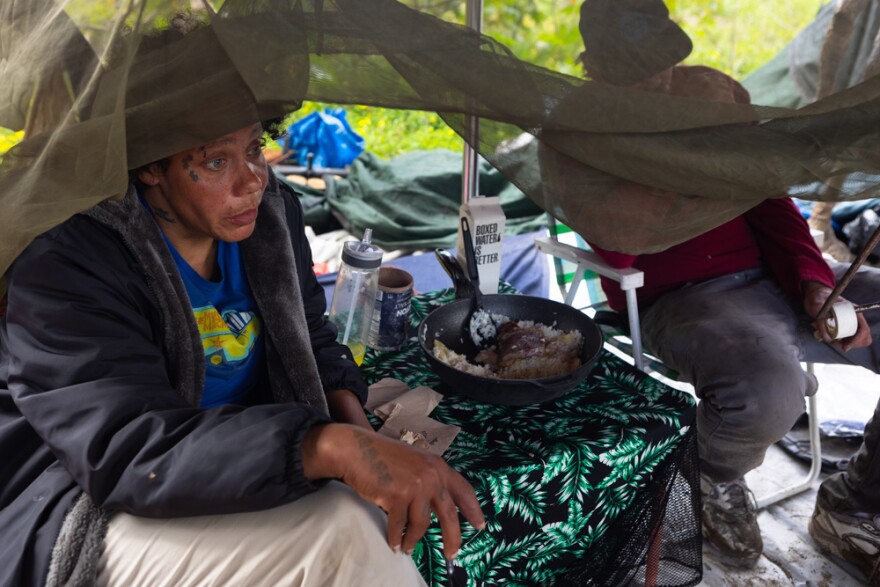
x=230 y=328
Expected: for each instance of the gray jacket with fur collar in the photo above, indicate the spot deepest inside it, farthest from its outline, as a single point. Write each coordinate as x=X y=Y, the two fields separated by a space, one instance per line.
x=101 y=374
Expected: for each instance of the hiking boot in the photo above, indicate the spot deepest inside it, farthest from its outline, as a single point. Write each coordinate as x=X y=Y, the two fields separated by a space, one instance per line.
x=852 y=537
x=730 y=521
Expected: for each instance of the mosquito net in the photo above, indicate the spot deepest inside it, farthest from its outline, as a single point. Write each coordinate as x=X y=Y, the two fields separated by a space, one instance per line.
x=99 y=89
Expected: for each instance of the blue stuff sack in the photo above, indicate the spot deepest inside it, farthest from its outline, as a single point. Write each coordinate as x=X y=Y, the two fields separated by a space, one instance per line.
x=328 y=136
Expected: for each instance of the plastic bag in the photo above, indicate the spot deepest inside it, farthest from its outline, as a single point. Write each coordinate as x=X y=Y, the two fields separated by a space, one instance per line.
x=859 y=232
x=328 y=136
x=842 y=429
x=840 y=441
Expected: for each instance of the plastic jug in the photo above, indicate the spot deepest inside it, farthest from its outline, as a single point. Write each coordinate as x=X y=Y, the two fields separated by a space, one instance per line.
x=354 y=296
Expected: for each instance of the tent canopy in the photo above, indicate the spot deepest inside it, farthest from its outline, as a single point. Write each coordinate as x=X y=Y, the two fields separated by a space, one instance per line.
x=99 y=92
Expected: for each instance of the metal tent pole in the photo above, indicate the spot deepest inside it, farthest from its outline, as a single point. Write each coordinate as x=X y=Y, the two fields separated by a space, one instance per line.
x=470 y=163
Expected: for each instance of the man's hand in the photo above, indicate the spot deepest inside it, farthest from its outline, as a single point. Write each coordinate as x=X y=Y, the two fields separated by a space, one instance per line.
x=815 y=294
x=406 y=482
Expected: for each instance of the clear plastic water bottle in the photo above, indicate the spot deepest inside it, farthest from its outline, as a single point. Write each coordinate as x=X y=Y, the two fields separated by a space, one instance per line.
x=354 y=296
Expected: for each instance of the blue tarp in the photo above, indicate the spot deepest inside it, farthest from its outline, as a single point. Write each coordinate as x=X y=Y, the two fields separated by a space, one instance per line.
x=326 y=135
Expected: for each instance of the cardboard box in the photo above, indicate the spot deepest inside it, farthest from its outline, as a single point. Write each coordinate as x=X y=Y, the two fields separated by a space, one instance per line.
x=486 y=219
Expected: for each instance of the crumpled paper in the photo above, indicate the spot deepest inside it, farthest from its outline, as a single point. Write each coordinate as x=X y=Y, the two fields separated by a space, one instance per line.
x=384 y=391
x=420 y=400
x=405 y=412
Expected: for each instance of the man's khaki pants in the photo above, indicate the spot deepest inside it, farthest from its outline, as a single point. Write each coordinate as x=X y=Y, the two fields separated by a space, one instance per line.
x=328 y=538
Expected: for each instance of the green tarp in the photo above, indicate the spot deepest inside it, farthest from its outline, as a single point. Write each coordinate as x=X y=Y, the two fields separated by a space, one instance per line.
x=843 y=34
x=411 y=201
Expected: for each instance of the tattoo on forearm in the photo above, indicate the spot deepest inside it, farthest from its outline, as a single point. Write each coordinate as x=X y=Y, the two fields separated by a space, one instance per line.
x=162 y=214
x=371 y=455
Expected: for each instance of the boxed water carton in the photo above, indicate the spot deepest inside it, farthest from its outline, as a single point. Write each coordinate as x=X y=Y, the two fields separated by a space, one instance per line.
x=486 y=220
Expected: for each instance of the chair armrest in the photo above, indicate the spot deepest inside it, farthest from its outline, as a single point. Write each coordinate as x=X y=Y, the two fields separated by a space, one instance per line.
x=628 y=278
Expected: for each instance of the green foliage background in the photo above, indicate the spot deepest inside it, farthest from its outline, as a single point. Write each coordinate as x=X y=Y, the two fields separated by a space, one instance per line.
x=9 y=138
x=735 y=36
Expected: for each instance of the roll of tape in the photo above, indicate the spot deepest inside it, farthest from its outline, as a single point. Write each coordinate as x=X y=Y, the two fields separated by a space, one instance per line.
x=842 y=321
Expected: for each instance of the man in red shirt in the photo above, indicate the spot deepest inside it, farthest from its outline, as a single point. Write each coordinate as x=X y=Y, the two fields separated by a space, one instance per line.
x=732 y=311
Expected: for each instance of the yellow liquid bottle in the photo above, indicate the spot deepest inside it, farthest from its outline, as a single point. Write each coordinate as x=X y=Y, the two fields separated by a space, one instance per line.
x=358 y=350
x=354 y=296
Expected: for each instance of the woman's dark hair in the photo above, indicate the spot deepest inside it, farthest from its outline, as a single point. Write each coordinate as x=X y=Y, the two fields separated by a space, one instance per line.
x=134 y=173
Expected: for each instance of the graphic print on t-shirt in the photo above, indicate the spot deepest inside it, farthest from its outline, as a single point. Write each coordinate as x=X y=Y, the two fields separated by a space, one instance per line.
x=226 y=339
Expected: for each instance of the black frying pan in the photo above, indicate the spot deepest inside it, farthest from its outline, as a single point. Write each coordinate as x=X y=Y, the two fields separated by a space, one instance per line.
x=448 y=324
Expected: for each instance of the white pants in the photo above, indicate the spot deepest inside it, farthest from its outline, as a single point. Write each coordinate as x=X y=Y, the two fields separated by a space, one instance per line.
x=328 y=538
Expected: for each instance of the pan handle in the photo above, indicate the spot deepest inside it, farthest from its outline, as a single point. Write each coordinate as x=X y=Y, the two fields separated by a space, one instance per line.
x=461 y=283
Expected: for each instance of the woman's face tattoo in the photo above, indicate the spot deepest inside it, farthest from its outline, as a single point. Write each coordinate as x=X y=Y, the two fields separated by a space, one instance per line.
x=213 y=191
x=186 y=166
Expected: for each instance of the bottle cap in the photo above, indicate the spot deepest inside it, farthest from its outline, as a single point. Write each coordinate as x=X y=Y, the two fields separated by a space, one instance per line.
x=362 y=254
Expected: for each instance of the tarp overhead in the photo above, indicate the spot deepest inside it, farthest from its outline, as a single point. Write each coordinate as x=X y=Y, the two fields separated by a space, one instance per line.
x=837 y=50
x=99 y=94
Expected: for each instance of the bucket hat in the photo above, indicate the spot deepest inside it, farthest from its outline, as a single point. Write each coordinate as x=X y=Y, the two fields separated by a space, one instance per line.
x=627 y=41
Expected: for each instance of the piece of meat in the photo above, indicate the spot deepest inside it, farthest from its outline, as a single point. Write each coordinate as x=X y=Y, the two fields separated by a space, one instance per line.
x=516 y=342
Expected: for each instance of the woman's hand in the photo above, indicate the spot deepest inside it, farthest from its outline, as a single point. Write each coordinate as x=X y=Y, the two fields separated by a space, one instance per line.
x=406 y=482
x=346 y=409
x=815 y=294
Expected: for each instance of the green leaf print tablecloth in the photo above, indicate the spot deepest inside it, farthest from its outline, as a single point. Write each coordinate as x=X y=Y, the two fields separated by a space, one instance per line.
x=599 y=487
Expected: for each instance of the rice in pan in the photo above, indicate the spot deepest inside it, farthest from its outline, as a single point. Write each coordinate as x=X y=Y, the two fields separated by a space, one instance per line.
x=524 y=350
